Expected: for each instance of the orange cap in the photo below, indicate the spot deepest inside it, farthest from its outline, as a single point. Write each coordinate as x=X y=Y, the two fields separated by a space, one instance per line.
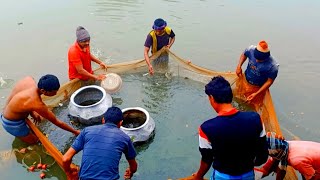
x=263 y=46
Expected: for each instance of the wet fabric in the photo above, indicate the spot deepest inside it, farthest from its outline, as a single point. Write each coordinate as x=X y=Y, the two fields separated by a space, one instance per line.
x=216 y=175
x=278 y=149
x=257 y=73
x=16 y=128
x=76 y=56
x=102 y=147
x=245 y=89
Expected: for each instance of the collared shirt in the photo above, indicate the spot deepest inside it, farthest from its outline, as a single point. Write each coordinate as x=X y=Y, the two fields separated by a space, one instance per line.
x=78 y=56
x=102 y=147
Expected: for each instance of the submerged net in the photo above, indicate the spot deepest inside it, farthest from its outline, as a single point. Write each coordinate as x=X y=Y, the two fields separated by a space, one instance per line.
x=177 y=67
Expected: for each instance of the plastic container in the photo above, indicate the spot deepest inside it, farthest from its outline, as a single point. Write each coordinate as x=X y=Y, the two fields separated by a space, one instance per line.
x=88 y=104
x=137 y=124
x=112 y=83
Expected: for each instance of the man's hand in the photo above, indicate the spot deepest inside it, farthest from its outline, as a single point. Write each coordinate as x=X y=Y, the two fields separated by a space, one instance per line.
x=77 y=132
x=100 y=77
x=239 y=71
x=103 y=65
x=128 y=174
x=73 y=172
x=196 y=177
x=251 y=97
x=151 y=70
x=36 y=117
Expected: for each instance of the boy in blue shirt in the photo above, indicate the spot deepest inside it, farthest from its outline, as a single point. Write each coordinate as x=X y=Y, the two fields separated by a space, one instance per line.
x=102 y=147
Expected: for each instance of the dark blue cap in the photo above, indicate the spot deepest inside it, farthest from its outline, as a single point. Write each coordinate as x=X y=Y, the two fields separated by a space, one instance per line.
x=261 y=55
x=159 y=24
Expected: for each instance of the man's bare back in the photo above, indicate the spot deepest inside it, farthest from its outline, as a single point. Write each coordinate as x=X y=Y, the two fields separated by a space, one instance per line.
x=24 y=100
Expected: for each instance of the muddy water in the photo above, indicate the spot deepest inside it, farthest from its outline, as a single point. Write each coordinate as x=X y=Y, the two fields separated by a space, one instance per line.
x=36 y=34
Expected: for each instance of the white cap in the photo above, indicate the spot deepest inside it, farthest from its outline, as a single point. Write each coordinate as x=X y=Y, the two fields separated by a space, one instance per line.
x=112 y=83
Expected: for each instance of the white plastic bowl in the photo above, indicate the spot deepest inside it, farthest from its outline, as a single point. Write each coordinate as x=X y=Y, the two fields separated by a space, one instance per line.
x=112 y=83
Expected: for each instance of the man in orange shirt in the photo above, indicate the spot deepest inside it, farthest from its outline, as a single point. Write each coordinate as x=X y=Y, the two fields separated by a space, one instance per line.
x=79 y=58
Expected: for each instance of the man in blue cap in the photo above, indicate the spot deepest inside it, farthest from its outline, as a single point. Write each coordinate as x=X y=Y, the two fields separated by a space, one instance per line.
x=102 y=147
x=24 y=100
x=160 y=36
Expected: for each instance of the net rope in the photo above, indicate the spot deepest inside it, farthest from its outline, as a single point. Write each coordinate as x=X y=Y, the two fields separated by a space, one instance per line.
x=177 y=67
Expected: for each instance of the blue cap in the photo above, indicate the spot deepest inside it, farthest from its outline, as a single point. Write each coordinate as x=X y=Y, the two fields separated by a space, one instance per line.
x=159 y=24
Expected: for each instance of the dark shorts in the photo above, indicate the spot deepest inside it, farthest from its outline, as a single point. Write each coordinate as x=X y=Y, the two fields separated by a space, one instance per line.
x=16 y=128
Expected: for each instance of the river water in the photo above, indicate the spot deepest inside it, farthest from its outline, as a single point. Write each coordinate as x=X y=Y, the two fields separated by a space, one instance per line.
x=36 y=35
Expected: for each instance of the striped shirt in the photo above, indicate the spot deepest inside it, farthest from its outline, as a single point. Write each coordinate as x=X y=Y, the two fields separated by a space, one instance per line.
x=234 y=142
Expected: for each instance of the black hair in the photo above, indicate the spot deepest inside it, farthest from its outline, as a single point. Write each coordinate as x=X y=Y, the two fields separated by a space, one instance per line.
x=49 y=82
x=113 y=115
x=220 y=89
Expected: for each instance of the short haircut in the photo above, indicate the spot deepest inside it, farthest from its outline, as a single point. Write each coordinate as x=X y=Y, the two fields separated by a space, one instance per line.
x=220 y=89
x=49 y=82
x=113 y=115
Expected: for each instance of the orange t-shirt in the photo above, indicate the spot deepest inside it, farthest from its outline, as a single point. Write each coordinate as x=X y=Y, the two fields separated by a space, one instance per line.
x=78 y=56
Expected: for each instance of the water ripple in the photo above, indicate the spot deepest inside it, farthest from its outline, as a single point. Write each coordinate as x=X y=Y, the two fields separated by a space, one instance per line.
x=115 y=9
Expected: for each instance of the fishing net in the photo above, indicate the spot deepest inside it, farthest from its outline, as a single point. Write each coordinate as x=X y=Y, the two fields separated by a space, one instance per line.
x=181 y=67
x=177 y=66
x=31 y=159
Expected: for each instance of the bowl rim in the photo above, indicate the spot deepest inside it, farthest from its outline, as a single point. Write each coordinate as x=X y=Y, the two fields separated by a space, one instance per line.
x=140 y=109
x=87 y=87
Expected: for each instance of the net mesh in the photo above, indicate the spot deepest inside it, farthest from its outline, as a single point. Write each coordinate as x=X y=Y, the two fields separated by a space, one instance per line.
x=177 y=67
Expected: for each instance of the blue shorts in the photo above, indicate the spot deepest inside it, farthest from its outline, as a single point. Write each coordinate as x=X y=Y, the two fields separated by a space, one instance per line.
x=216 y=175
x=17 y=128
